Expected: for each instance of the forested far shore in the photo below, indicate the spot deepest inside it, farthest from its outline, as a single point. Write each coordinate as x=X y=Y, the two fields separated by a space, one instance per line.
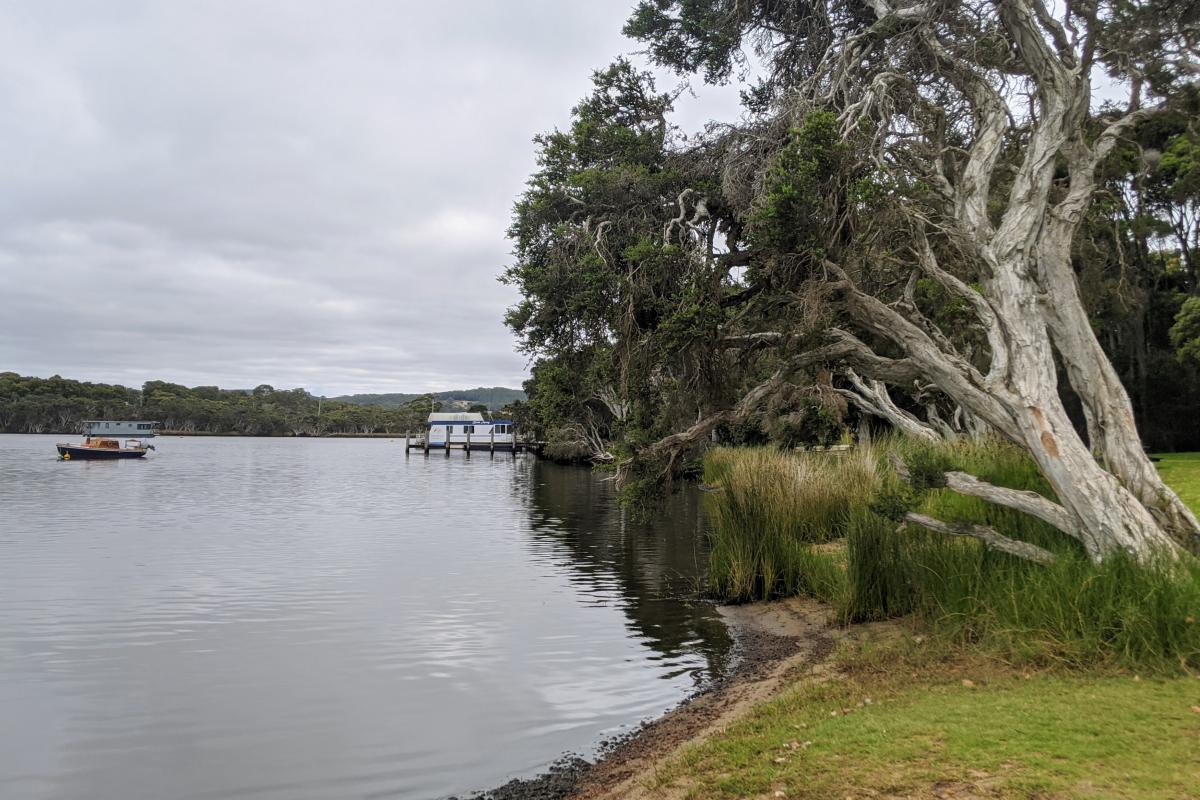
x=59 y=405
x=494 y=397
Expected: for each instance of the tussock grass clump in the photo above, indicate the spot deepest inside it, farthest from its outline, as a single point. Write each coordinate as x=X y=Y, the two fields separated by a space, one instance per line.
x=1072 y=612
x=775 y=508
x=770 y=507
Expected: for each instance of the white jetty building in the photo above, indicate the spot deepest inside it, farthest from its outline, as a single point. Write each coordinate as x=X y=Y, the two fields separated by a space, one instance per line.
x=469 y=429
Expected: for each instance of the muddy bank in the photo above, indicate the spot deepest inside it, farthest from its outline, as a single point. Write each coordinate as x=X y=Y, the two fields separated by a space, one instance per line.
x=775 y=643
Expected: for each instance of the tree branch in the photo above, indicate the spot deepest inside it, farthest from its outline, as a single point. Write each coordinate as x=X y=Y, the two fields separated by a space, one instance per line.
x=1030 y=503
x=992 y=326
x=873 y=398
x=949 y=372
x=750 y=339
x=989 y=536
x=1027 y=502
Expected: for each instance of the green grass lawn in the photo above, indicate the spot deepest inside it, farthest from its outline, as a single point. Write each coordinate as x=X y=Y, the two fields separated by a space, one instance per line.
x=939 y=730
x=1182 y=472
x=904 y=723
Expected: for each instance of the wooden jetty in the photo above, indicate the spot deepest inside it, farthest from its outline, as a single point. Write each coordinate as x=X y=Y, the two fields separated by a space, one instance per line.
x=487 y=444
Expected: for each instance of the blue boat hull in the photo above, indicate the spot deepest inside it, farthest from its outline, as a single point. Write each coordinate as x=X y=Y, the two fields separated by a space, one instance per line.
x=74 y=453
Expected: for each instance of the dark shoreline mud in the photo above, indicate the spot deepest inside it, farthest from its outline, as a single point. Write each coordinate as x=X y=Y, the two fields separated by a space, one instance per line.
x=771 y=641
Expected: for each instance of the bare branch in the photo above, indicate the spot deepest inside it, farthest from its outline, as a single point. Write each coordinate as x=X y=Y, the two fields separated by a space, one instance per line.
x=1027 y=502
x=873 y=398
x=989 y=536
x=951 y=373
x=992 y=326
x=974 y=187
x=751 y=339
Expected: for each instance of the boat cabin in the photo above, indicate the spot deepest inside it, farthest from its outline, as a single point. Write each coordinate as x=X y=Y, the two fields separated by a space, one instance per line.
x=458 y=429
x=102 y=440
x=119 y=428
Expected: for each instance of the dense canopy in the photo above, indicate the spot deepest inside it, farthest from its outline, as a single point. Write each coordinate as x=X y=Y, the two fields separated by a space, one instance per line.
x=926 y=215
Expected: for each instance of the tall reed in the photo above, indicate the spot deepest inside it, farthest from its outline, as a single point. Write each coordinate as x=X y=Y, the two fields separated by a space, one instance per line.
x=773 y=510
x=1071 y=612
x=768 y=510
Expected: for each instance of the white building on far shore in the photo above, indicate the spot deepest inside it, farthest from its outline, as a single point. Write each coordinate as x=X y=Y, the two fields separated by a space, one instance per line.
x=458 y=428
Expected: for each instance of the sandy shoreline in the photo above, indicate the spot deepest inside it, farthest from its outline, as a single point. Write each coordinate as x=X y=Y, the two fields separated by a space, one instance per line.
x=776 y=643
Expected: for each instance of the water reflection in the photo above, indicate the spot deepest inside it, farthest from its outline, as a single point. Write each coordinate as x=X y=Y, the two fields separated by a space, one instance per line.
x=317 y=618
x=655 y=562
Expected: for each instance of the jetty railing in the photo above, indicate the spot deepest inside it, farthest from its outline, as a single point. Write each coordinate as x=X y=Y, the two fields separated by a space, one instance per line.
x=514 y=445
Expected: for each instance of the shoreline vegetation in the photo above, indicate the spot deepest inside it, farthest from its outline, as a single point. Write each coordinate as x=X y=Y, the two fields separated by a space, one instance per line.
x=59 y=405
x=839 y=528
x=909 y=664
x=921 y=217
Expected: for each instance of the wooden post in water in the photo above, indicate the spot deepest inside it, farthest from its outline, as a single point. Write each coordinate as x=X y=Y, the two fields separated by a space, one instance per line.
x=514 y=441
x=449 y=431
x=492 y=440
x=425 y=443
x=406 y=444
x=468 y=429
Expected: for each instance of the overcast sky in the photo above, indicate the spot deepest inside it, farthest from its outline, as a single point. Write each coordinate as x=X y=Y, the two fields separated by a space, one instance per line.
x=294 y=192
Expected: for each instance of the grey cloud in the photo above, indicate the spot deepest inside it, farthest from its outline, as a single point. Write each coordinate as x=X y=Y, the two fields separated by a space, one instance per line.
x=291 y=192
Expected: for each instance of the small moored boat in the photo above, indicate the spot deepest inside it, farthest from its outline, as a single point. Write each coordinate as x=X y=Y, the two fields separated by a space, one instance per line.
x=102 y=441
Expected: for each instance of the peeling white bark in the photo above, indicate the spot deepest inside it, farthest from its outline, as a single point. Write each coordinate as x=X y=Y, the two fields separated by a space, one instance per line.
x=989 y=536
x=1029 y=304
x=873 y=398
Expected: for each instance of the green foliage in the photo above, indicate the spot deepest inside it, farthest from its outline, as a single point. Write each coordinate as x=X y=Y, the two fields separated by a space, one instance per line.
x=565 y=448
x=794 y=212
x=1179 y=168
x=581 y=225
x=773 y=506
x=810 y=422
x=690 y=36
x=610 y=306
x=57 y=405
x=1185 y=333
x=769 y=510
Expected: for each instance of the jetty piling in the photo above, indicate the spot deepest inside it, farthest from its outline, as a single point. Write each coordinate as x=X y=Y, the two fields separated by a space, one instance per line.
x=514 y=445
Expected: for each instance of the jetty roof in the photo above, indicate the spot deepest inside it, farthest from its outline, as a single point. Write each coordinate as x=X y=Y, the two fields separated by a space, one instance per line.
x=119 y=427
x=452 y=416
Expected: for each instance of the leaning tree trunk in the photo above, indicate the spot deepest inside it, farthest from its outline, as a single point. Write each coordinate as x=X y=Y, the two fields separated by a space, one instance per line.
x=1019 y=398
x=1031 y=290
x=906 y=80
x=1106 y=514
x=1106 y=403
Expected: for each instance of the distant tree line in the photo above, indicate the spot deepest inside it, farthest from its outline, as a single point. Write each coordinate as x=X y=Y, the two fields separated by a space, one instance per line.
x=491 y=398
x=59 y=405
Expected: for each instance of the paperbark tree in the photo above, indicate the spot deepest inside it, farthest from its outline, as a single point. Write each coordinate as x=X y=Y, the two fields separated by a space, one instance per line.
x=978 y=120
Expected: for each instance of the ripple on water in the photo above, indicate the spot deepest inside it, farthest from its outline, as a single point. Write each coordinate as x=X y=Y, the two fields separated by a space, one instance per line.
x=316 y=618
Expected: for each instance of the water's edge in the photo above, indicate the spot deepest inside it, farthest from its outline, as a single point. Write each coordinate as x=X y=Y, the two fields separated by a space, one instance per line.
x=325 y=617
x=765 y=635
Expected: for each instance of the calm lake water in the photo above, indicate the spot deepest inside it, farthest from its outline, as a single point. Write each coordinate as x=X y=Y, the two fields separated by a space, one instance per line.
x=317 y=618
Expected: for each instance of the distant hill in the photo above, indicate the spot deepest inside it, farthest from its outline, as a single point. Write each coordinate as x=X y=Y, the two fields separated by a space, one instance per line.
x=494 y=398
